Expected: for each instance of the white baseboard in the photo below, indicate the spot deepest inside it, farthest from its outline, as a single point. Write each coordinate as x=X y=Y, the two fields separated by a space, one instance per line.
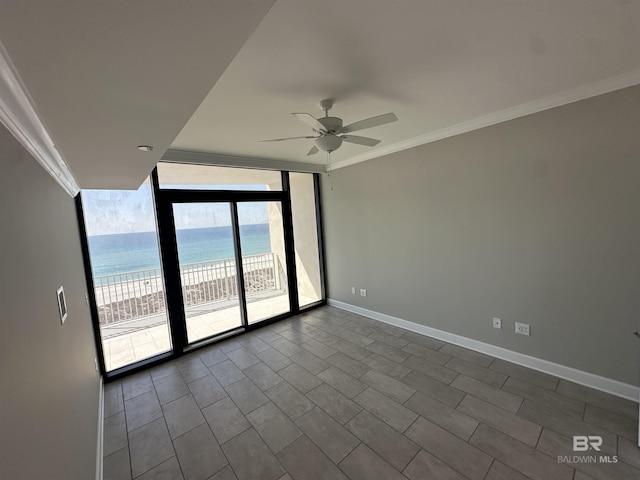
x=100 y=444
x=587 y=379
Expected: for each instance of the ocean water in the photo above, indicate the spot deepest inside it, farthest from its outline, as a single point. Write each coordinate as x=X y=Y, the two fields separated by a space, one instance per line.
x=128 y=252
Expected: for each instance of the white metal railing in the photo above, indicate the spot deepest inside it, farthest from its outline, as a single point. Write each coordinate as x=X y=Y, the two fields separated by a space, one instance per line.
x=131 y=295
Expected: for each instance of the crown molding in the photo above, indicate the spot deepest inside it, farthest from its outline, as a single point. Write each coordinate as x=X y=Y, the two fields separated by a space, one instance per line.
x=19 y=116
x=188 y=156
x=580 y=93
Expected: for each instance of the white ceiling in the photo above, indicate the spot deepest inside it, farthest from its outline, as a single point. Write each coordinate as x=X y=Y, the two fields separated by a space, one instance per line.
x=106 y=76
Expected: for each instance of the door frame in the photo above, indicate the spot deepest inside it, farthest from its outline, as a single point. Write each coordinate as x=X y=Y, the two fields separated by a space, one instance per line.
x=165 y=226
x=165 y=199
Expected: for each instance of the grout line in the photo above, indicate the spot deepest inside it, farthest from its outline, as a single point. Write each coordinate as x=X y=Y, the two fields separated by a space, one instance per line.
x=412 y=458
x=177 y=460
x=468 y=440
x=405 y=430
x=490 y=467
x=539 y=436
x=129 y=452
x=463 y=397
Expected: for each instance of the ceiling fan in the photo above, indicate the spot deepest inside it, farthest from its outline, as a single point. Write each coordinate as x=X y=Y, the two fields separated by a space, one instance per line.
x=329 y=133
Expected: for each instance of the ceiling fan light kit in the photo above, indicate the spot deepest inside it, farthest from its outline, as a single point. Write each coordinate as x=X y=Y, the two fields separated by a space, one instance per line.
x=328 y=143
x=330 y=132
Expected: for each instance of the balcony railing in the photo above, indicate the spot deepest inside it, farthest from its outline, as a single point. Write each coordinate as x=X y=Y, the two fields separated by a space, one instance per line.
x=132 y=295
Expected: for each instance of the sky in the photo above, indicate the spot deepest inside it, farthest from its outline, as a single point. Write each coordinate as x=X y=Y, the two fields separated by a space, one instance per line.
x=127 y=211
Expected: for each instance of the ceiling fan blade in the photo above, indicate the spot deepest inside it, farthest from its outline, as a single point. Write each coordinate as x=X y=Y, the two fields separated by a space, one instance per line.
x=369 y=142
x=282 y=139
x=310 y=121
x=370 y=122
x=313 y=151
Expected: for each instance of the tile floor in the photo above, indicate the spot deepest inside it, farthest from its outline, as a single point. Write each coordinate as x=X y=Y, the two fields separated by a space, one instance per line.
x=332 y=395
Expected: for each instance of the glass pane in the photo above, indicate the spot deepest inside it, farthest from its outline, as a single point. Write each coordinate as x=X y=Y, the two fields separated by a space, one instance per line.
x=129 y=290
x=263 y=259
x=305 y=237
x=209 y=177
x=207 y=268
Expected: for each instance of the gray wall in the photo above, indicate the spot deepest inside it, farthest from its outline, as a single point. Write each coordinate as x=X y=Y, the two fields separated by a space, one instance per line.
x=535 y=220
x=48 y=385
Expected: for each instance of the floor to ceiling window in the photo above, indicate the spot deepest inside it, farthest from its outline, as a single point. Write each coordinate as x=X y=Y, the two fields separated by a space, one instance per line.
x=238 y=246
x=128 y=286
x=305 y=233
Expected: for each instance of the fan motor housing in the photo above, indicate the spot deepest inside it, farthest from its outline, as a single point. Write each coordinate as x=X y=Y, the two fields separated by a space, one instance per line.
x=332 y=124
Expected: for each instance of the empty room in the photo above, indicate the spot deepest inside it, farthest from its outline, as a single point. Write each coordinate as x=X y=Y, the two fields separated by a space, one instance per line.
x=339 y=240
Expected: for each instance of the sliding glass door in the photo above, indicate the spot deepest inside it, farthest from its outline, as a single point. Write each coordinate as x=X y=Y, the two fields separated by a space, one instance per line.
x=232 y=264
x=263 y=259
x=207 y=265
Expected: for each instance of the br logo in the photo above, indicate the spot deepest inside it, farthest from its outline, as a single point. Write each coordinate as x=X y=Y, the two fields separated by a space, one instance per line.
x=582 y=443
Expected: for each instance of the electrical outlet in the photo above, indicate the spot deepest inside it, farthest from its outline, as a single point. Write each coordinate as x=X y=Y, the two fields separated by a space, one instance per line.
x=363 y=292
x=497 y=323
x=522 y=329
x=353 y=290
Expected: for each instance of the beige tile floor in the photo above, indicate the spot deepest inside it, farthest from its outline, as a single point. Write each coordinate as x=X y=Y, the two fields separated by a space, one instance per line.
x=336 y=396
x=133 y=347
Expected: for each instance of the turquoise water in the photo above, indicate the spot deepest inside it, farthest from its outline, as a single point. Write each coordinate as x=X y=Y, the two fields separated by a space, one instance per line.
x=128 y=252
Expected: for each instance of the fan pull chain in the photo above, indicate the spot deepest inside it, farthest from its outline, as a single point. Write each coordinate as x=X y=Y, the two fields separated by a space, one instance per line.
x=329 y=170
